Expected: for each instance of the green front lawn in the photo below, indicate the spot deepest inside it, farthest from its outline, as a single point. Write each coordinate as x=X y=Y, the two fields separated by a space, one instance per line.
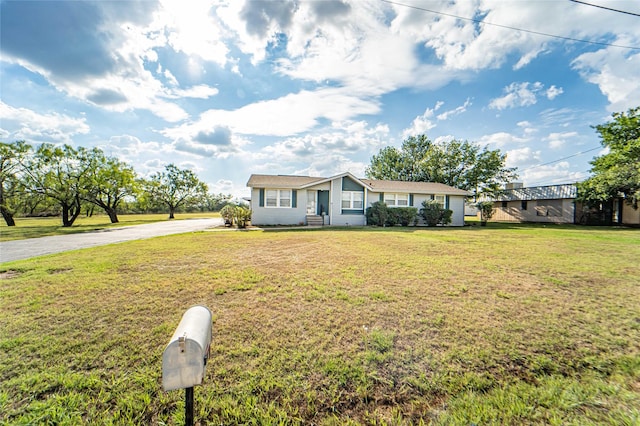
x=506 y=324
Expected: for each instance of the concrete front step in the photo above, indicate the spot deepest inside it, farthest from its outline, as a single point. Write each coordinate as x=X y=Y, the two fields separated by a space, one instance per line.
x=314 y=220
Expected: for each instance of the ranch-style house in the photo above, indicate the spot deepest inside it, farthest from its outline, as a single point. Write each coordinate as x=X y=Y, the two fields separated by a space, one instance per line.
x=341 y=199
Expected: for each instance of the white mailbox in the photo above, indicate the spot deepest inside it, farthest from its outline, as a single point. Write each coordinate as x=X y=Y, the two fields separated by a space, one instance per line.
x=185 y=357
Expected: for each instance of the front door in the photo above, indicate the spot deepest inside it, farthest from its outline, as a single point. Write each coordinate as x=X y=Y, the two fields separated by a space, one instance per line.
x=323 y=202
x=311 y=202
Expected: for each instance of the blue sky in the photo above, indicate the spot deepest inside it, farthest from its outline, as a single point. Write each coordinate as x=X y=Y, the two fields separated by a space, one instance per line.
x=230 y=88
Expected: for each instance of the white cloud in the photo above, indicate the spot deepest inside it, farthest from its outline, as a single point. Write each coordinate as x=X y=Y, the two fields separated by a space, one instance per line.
x=559 y=140
x=201 y=91
x=521 y=157
x=286 y=116
x=502 y=139
x=527 y=127
x=422 y=123
x=615 y=71
x=553 y=174
x=35 y=127
x=325 y=152
x=193 y=29
x=553 y=91
x=517 y=95
x=170 y=78
x=459 y=110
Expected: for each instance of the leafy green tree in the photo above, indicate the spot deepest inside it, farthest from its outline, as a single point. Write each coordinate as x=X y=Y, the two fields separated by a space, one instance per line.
x=215 y=202
x=111 y=181
x=176 y=187
x=616 y=173
x=460 y=164
x=486 y=211
x=12 y=157
x=62 y=174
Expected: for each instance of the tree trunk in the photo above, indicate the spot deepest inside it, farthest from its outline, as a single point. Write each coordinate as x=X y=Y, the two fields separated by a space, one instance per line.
x=113 y=215
x=65 y=215
x=70 y=213
x=171 y=216
x=8 y=217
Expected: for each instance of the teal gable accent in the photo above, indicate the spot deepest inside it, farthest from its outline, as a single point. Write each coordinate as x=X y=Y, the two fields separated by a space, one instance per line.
x=261 y=199
x=349 y=184
x=294 y=198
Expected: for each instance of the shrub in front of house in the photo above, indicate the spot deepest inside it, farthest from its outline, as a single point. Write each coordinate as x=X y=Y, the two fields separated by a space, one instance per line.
x=242 y=216
x=377 y=214
x=434 y=214
x=228 y=213
x=404 y=215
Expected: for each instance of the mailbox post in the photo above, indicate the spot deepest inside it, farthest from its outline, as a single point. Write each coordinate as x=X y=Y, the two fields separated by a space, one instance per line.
x=185 y=357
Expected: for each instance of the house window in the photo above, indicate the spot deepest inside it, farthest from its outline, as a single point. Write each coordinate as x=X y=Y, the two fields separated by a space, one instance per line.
x=523 y=205
x=439 y=199
x=352 y=200
x=504 y=204
x=278 y=198
x=396 y=200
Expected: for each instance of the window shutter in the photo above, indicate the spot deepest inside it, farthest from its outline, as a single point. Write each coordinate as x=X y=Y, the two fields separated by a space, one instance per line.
x=433 y=197
x=294 y=198
x=446 y=202
x=261 y=200
x=410 y=200
x=382 y=197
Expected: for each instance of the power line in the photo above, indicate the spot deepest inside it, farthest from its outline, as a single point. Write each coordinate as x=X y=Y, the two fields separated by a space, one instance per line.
x=480 y=21
x=604 y=7
x=561 y=159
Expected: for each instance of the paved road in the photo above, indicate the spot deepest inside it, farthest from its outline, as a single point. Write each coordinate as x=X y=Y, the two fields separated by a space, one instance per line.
x=24 y=249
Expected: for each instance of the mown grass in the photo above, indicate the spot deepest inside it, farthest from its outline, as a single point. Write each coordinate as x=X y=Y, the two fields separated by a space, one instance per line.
x=498 y=325
x=33 y=227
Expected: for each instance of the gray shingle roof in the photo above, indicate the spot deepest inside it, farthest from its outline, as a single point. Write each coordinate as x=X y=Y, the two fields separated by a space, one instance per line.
x=280 y=181
x=295 y=182
x=414 y=187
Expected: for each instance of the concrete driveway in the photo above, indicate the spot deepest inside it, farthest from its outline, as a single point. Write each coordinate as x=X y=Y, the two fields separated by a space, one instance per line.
x=25 y=249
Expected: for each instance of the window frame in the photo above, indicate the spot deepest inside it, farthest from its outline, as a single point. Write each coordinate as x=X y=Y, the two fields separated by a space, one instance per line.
x=396 y=198
x=278 y=198
x=352 y=200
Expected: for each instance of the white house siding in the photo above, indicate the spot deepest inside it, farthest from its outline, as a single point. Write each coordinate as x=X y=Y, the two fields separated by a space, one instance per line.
x=337 y=218
x=278 y=216
x=309 y=187
x=456 y=204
